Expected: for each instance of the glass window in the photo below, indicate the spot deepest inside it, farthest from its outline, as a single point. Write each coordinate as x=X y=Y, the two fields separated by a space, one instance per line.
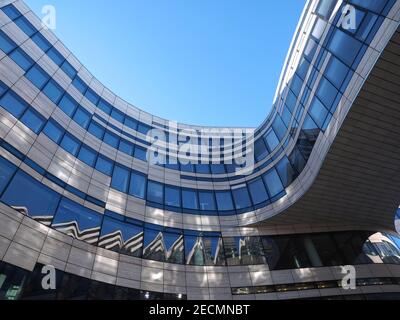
x=272 y=140
x=37 y=76
x=53 y=91
x=325 y=8
x=318 y=112
x=79 y=85
x=96 y=130
x=257 y=191
x=25 y=26
x=279 y=127
x=13 y=104
x=77 y=221
x=154 y=245
x=82 y=117
x=241 y=197
x=155 y=192
x=111 y=139
x=126 y=147
x=273 y=183
x=41 y=42
x=206 y=200
x=137 y=186
x=3 y=88
x=344 y=47
x=189 y=199
x=104 y=165
x=69 y=69
x=7 y=170
x=21 y=59
x=243 y=251
x=326 y=92
x=56 y=56
x=202 y=168
x=105 y=106
x=53 y=131
x=11 y=12
x=260 y=150
x=92 y=96
x=70 y=144
x=122 y=237
x=6 y=44
x=68 y=105
x=117 y=115
x=33 y=120
x=140 y=153
x=131 y=123
x=143 y=128
x=174 y=246
x=40 y=200
x=120 y=179
x=224 y=200
x=286 y=172
x=87 y=155
x=336 y=72
x=204 y=250
x=172 y=196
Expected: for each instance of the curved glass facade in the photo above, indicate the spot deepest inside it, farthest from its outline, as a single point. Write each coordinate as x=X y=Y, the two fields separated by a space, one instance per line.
x=75 y=158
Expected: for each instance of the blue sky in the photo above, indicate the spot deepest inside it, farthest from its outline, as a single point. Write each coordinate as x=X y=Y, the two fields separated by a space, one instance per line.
x=206 y=62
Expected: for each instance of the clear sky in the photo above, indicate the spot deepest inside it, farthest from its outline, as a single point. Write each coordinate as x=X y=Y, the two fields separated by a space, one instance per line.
x=206 y=62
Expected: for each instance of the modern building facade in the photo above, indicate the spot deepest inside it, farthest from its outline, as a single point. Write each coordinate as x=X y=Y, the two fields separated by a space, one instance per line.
x=77 y=191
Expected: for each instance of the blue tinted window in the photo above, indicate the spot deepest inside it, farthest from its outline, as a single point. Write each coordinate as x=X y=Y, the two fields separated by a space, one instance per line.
x=327 y=93
x=7 y=169
x=318 y=112
x=206 y=201
x=69 y=69
x=96 y=130
x=285 y=171
x=70 y=144
x=120 y=179
x=105 y=106
x=104 y=165
x=21 y=59
x=117 y=115
x=53 y=131
x=344 y=47
x=241 y=197
x=53 y=91
x=3 y=88
x=68 y=105
x=6 y=44
x=87 y=155
x=373 y=5
x=77 y=221
x=155 y=192
x=41 y=42
x=37 y=76
x=325 y=8
x=82 y=117
x=25 y=26
x=33 y=120
x=224 y=200
x=137 y=186
x=143 y=128
x=140 y=153
x=336 y=72
x=126 y=147
x=37 y=198
x=189 y=199
x=260 y=150
x=111 y=139
x=56 y=56
x=172 y=196
x=92 y=96
x=13 y=104
x=279 y=127
x=258 y=192
x=203 y=168
x=273 y=182
x=131 y=123
x=272 y=140
x=11 y=11
x=79 y=85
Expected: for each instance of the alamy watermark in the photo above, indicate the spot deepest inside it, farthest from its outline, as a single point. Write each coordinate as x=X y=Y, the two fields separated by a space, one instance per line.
x=49 y=18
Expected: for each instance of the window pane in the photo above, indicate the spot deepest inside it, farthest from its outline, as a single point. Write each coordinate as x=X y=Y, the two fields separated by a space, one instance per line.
x=117 y=115
x=137 y=186
x=204 y=251
x=241 y=197
x=11 y=12
x=140 y=153
x=6 y=44
x=257 y=191
x=38 y=199
x=33 y=120
x=96 y=130
x=53 y=131
x=174 y=247
x=189 y=199
x=286 y=172
x=56 y=56
x=318 y=112
x=53 y=91
x=155 y=192
x=126 y=147
x=41 y=42
x=243 y=251
x=224 y=200
x=69 y=69
x=37 y=76
x=87 y=155
x=172 y=196
x=120 y=179
x=104 y=165
x=82 y=117
x=111 y=139
x=13 y=104
x=7 y=169
x=70 y=144
x=271 y=140
x=25 y=26
x=77 y=221
x=105 y=106
x=92 y=96
x=68 y=105
x=206 y=200
x=21 y=59
x=154 y=248
x=344 y=47
x=273 y=183
x=79 y=85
